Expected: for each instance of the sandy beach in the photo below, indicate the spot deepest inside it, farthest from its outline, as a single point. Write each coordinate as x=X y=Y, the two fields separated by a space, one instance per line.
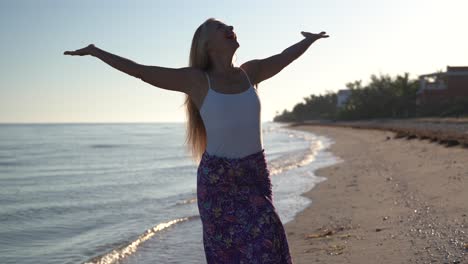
x=389 y=201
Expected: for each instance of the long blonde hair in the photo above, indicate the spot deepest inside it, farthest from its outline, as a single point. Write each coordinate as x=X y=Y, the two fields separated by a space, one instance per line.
x=195 y=131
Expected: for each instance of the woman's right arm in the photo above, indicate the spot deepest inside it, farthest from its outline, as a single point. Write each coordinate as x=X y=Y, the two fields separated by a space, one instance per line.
x=181 y=79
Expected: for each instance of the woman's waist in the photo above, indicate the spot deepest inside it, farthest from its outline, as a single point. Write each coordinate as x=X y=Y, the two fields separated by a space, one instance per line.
x=247 y=170
x=240 y=178
x=232 y=149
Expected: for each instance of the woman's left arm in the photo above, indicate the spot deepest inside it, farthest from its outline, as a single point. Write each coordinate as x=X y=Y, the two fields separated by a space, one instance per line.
x=260 y=70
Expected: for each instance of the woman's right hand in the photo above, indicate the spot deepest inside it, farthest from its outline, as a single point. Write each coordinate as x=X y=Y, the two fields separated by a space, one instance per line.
x=82 y=52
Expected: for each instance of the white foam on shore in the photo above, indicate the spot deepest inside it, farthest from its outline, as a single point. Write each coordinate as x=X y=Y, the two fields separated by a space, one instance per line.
x=290 y=184
x=124 y=251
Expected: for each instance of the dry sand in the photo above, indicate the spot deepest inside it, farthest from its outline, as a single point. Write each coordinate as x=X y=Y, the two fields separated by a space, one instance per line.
x=389 y=201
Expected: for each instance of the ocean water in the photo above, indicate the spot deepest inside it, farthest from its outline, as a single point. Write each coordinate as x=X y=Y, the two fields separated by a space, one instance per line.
x=125 y=193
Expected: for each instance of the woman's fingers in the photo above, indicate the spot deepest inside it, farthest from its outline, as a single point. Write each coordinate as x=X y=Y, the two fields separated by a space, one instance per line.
x=323 y=34
x=320 y=35
x=80 y=52
x=75 y=52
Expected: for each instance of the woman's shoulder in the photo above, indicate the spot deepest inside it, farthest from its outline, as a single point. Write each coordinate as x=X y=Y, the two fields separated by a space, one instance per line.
x=250 y=68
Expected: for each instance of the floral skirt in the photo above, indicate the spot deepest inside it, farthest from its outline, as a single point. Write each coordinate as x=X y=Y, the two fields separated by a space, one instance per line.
x=240 y=223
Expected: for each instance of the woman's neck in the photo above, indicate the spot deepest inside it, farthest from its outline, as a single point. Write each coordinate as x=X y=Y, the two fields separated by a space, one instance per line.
x=222 y=64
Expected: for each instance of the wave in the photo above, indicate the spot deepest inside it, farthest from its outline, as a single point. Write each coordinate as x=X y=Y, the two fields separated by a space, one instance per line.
x=299 y=157
x=187 y=201
x=11 y=163
x=104 y=146
x=128 y=249
x=309 y=155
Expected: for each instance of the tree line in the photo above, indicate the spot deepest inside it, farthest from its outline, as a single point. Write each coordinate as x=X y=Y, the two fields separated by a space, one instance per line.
x=383 y=97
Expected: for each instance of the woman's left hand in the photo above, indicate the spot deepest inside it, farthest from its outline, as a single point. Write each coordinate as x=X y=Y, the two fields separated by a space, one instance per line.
x=314 y=36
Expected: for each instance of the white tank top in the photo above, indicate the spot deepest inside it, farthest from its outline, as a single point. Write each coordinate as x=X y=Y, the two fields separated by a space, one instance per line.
x=232 y=122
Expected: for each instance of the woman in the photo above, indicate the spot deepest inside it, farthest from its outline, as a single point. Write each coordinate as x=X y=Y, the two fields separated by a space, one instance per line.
x=240 y=222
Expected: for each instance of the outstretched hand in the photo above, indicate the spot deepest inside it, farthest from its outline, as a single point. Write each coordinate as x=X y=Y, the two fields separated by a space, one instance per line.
x=81 y=52
x=314 y=36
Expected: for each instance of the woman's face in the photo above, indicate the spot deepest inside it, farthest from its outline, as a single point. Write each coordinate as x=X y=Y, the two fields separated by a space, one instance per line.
x=222 y=38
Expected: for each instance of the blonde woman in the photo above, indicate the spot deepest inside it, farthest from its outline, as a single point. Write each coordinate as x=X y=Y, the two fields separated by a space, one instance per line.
x=234 y=195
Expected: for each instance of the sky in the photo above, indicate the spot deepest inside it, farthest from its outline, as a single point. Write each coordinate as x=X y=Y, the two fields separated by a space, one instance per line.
x=39 y=84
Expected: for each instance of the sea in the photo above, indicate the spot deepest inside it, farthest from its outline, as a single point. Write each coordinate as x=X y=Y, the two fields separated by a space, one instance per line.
x=125 y=192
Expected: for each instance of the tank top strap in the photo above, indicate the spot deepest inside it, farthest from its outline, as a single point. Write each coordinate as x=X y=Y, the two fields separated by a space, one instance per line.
x=208 y=78
x=248 y=79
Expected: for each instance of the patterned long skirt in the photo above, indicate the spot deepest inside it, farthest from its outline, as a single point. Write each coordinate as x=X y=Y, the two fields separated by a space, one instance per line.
x=240 y=223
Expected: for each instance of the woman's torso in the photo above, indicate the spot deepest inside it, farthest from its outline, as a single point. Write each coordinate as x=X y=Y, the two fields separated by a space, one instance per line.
x=232 y=121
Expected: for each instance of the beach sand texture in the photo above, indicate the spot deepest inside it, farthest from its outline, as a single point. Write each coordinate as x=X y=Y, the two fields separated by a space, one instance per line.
x=389 y=201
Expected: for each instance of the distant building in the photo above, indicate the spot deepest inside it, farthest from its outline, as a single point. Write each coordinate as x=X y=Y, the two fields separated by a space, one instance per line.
x=440 y=86
x=342 y=97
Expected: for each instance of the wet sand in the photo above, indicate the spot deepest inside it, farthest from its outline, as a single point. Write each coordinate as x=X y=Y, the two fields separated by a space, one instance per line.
x=389 y=201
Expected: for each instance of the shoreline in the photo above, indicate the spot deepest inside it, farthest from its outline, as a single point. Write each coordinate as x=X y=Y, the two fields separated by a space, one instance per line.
x=446 y=131
x=389 y=200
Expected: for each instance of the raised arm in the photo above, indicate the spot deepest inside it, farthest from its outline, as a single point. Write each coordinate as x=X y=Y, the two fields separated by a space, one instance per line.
x=176 y=79
x=262 y=69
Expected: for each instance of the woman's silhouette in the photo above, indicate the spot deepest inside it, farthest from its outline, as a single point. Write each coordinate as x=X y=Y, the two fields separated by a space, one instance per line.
x=240 y=222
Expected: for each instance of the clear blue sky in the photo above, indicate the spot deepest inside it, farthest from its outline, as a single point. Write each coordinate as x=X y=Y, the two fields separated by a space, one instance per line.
x=40 y=84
